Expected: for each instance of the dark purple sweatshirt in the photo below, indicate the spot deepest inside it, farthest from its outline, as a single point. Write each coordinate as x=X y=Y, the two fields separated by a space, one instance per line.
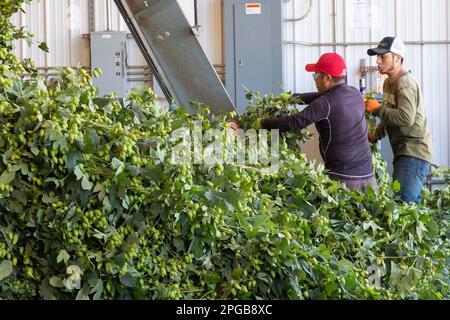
x=339 y=116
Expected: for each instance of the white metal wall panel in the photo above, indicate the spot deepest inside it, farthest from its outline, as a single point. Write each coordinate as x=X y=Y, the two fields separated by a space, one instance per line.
x=210 y=33
x=210 y=19
x=61 y=24
x=412 y=20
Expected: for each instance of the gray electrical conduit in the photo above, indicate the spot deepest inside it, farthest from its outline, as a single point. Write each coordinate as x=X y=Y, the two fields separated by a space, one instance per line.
x=302 y=17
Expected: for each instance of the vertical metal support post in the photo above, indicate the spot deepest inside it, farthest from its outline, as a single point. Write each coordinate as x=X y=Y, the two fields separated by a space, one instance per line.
x=335 y=24
x=195 y=13
x=422 y=53
x=448 y=76
x=294 y=48
x=196 y=25
x=108 y=15
x=91 y=8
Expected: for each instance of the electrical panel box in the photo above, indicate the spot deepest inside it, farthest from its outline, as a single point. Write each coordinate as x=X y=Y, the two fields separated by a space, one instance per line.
x=253 y=48
x=109 y=53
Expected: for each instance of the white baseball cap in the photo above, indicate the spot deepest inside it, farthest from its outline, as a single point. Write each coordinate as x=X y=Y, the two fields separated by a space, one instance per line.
x=389 y=44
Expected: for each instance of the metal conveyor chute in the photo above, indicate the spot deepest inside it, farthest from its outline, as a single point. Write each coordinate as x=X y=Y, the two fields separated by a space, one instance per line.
x=174 y=54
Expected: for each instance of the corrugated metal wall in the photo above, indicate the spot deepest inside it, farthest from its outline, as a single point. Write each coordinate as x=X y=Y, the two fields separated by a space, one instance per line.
x=423 y=25
x=328 y=27
x=60 y=23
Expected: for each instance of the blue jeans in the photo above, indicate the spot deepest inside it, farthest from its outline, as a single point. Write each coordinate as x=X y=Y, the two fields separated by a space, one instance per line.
x=411 y=173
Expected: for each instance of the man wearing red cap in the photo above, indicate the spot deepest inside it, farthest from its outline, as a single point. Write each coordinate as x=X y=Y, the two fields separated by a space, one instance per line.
x=339 y=115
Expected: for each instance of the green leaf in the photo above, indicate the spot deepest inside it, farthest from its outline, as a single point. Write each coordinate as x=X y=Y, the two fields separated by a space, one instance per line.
x=34 y=150
x=420 y=230
x=46 y=291
x=346 y=264
x=97 y=290
x=396 y=273
x=47 y=199
x=100 y=188
x=83 y=294
x=62 y=256
x=128 y=281
x=179 y=244
x=211 y=197
x=126 y=202
x=60 y=143
x=72 y=160
x=7 y=177
x=78 y=173
x=20 y=196
x=92 y=142
x=117 y=165
x=7 y=155
x=396 y=186
x=85 y=184
x=153 y=174
x=56 y=282
x=54 y=180
x=372 y=225
x=6 y=268
x=133 y=170
x=64 y=98
x=41 y=86
x=43 y=46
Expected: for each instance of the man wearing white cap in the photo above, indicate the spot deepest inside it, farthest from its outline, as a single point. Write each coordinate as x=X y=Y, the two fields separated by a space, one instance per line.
x=403 y=119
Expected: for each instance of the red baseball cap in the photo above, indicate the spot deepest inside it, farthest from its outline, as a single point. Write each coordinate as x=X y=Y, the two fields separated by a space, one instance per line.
x=329 y=63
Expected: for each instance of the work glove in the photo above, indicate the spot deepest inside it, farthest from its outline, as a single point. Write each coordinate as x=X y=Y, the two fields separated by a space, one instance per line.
x=373 y=106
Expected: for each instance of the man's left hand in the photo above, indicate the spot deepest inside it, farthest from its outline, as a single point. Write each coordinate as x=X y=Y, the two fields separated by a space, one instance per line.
x=234 y=124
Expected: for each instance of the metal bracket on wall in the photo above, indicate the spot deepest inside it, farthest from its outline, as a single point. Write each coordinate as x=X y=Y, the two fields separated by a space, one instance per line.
x=304 y=16
x=196 y=26
x=364 y=69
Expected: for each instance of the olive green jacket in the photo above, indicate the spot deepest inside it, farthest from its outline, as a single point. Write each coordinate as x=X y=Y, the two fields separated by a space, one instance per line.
x=404 y=119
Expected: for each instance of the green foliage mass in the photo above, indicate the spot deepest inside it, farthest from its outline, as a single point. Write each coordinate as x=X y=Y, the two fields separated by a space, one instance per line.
x=92 y=207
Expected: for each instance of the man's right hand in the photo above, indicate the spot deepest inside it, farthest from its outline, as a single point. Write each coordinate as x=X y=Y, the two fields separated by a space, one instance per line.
x=373 y=138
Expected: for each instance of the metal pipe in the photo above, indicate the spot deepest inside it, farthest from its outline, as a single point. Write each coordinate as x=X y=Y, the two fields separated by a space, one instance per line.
x=294 y=37
x=448 y=77
x=139 y=80
x=56 y=67
x=91 y=8
x=108 y=15
x=195 y=13
x=138 y=67
x=46 y=29
x=335 y=31
x=196 y=26
x=367 y=43
x=396 y=18
x=344 y=27
x=308 y=12
x=139 y=73
x=421 y=38
x=369 y=84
